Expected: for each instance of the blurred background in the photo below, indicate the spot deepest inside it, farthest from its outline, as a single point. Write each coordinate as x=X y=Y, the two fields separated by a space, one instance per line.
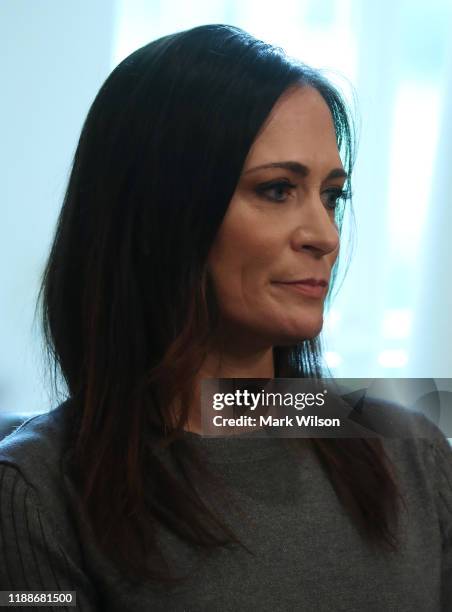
x=392 y=60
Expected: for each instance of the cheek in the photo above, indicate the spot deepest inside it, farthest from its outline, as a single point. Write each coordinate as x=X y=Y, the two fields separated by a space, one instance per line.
x=240 y=264
x=238 y=267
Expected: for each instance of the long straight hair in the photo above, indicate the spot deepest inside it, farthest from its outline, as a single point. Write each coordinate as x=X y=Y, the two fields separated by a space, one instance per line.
x=128 y=309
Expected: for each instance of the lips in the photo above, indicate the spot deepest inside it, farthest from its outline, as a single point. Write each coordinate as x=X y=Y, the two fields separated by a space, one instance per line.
x=313 y=282
x=309 y=287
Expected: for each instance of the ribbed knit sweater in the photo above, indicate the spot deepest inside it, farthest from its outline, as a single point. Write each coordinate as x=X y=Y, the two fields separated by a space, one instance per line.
x=308 y=554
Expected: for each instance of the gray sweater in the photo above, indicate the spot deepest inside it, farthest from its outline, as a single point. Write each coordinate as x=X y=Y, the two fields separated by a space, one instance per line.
x=308 y=553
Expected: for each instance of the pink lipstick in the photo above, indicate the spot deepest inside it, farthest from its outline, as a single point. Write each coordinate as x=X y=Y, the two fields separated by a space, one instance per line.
x=311 y=287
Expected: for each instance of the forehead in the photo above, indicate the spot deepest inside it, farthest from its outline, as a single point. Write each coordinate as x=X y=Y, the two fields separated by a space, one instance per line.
x=300 y=127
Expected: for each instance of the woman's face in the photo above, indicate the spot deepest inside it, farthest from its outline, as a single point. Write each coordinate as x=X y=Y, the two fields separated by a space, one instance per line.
x=280 y=227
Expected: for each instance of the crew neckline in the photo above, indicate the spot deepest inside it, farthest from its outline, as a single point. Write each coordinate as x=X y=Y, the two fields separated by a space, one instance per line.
x=236 y=448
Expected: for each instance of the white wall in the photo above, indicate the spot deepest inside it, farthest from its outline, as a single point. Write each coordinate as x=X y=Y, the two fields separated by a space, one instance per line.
x=54 y=57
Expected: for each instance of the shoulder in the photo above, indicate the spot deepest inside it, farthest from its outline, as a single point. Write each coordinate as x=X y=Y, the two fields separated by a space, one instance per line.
x=36 y=448
x=415 y=445
x=409 y=431
x=40 y=541
x=36 y=496
x=422 y=456
x=38 y=428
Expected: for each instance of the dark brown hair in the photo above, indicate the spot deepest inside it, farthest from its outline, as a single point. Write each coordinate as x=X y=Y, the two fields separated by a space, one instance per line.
x=128 y=309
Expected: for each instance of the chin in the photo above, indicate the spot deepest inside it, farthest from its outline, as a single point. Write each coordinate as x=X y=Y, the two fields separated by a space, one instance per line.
x=289 y=338
x=307 y=332
x=298 y=335
x=286 y=341
x=276 y=332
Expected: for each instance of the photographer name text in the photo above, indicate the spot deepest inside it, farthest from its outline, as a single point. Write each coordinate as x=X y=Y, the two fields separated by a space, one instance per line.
x=270 y=421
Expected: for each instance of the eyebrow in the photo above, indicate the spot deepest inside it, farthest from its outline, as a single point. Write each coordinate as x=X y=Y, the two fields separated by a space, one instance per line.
x=299 y=169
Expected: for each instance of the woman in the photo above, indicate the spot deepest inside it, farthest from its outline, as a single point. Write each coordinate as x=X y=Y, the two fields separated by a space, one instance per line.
x=210 y=175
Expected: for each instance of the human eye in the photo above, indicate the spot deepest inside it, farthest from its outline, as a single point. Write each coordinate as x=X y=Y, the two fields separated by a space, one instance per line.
x=331 y=197
x=275 y=191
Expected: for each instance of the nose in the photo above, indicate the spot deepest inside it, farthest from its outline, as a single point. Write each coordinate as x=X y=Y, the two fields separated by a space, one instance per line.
x=316 y=231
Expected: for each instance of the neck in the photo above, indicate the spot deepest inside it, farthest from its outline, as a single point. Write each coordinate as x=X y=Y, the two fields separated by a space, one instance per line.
x=236 y=363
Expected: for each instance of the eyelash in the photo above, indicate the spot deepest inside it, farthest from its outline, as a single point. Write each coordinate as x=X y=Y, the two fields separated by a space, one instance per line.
x=339 y=194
